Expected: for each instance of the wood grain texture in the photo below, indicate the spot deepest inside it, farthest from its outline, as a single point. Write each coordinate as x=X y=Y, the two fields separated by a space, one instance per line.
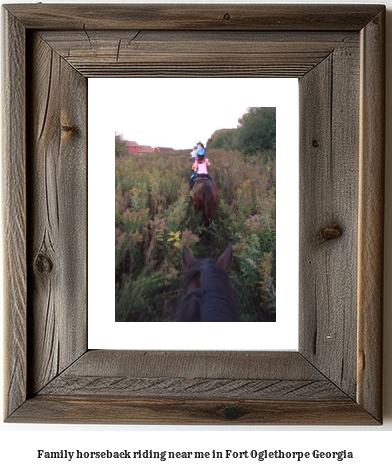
x=156 y=411
x=195 y=17
x=57 y=210
x=192 y=387
x=371 y=215
x=208 y=364
x=335 y=378
x=194 y=53
x=208 y=375
x=329 y=98
x=14 y=207
x=201 y=387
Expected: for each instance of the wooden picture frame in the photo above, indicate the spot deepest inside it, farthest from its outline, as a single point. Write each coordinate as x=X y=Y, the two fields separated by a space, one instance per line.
x=338 y=54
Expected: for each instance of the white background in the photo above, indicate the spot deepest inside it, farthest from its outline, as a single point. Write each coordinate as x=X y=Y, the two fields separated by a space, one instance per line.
x=370 y=445
x=104 y=332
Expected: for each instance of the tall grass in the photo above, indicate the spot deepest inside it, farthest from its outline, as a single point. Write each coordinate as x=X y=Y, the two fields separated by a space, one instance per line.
x=155 y=219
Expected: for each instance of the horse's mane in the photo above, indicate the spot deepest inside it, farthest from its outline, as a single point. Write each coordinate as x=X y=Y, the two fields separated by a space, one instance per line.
x=214 y=297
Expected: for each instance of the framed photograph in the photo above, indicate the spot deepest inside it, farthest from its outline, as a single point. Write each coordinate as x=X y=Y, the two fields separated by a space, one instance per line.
x=173 y=199
x=337 y=53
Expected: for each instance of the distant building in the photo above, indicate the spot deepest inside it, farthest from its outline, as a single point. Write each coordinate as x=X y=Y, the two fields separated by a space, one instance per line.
x=133 y=147
x=145 y=149
x=162 y=149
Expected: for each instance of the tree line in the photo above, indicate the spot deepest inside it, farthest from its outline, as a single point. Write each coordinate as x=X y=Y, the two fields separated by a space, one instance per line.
x=256 y=132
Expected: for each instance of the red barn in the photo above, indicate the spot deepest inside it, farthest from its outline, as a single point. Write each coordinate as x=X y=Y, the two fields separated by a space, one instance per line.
x=132 y=147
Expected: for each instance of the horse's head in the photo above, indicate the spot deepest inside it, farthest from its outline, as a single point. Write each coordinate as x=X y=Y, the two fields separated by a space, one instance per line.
x=224 y=261
x=209 y=295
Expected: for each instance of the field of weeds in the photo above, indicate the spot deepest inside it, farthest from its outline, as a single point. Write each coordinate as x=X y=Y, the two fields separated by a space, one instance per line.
x=155 y=219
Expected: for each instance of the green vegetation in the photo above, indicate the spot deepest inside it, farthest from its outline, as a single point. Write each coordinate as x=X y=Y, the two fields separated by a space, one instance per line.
x=155 y=219
x=256 y=131
x=120 y=146
x=225 y=139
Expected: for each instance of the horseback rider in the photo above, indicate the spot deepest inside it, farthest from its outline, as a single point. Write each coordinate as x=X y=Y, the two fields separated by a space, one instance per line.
x=193 y=154
x=200 y=167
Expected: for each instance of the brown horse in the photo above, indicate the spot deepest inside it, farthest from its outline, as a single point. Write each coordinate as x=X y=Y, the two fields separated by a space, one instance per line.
x=204 y=198
x=209 y=295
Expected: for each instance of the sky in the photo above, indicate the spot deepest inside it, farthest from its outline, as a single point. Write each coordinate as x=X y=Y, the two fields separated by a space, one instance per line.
x=178 y=112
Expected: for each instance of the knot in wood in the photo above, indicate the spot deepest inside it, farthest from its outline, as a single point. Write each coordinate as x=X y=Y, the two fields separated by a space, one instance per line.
x=232 y=412
x=43 y=264
x=227 y=16
x=328 y=233
x=69 y=128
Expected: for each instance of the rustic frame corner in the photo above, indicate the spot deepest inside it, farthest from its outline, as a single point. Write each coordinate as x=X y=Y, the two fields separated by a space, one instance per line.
x=338 y=54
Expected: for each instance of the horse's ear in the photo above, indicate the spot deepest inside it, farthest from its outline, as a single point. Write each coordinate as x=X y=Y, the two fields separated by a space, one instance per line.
x=187 y=257
x=225 y=260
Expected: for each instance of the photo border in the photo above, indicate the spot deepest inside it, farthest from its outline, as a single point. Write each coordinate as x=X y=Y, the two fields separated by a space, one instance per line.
x=335 y=378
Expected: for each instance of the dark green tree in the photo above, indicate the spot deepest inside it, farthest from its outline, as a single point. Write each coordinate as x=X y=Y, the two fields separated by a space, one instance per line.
x=257 y=131
x=120 y=146
x=226 y=139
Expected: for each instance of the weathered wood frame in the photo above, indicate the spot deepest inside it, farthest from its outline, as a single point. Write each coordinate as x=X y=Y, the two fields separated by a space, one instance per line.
x=337 y=52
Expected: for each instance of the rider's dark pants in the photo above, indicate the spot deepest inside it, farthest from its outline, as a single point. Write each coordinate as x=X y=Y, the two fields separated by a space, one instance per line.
x=194 y=175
